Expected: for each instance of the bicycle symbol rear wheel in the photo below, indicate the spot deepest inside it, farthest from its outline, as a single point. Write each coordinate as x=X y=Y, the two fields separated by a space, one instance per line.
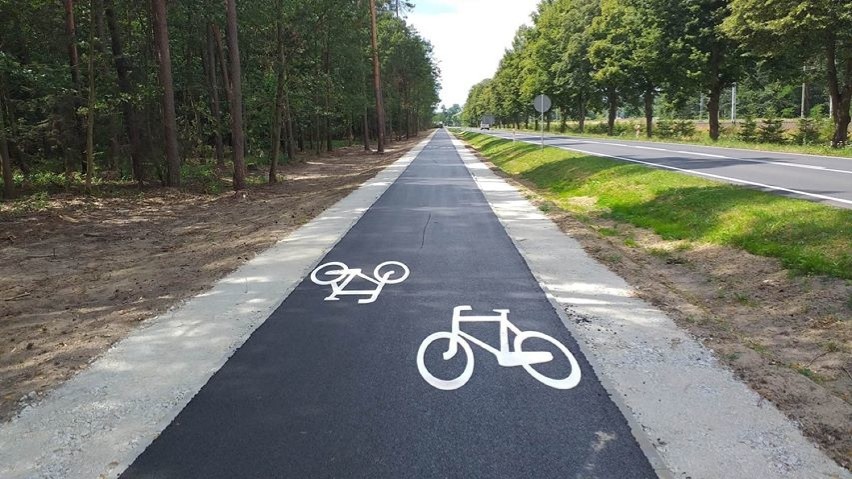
x=329 y=273
x=445 y=384
x=564 y=383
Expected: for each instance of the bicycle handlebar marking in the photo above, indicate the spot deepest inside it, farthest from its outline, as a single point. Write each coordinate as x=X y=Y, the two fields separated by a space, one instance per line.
x=338 y=276
x=506 y=357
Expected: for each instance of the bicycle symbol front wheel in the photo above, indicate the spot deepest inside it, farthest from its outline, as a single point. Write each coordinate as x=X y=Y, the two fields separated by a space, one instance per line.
x=560 y=383
x=445 y=384
x=395 y=271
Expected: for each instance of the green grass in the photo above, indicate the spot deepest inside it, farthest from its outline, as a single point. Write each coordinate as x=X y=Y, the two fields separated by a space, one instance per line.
x=807 y=237
x=702 y=138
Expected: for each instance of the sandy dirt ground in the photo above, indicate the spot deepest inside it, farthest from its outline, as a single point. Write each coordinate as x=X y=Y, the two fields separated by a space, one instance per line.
x=81 y=273
x=789 y=337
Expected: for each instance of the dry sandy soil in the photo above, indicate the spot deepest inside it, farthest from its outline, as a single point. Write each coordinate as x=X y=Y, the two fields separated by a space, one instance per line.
x=81 y=273
x=789 y=337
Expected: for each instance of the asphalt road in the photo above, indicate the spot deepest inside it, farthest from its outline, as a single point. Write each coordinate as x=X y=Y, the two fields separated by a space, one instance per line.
x=333 y=388
x=817 y=178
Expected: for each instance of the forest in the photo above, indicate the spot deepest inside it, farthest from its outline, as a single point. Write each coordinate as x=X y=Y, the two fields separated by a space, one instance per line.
x=679 y=60
x=157 y=92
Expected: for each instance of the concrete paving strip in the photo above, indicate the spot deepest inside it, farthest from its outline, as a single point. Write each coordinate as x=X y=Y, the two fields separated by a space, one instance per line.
x=98 y=422
x=702 y=421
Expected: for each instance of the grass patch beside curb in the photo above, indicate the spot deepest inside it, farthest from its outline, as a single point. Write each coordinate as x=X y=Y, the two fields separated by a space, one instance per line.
x=809 y=238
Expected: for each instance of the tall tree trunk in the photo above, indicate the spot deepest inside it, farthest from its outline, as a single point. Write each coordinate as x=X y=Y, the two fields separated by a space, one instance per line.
x=90 y=117
x=366 y=130
x=581 y=113
x=612 y=101
x=288 y=122
x=377 y=82
x=213 y=86
x=716 y=87
x=163 y=52
x=649 y=112
x=841 y=95
x=76 y=146
x=713 y=110
x=236 y=99
x=279 y=106
x=122 y=69
x=5 y=159
x=327 y=94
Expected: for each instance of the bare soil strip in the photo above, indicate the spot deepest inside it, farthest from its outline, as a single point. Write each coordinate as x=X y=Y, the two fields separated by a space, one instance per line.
x=80 y=275
x=789 y=337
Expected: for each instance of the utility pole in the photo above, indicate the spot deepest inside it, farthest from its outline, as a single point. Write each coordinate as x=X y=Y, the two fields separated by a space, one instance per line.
x=377 y=82
x=804 y=95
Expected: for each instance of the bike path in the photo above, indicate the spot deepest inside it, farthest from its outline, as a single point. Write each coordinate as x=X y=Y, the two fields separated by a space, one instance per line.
x=332 y=388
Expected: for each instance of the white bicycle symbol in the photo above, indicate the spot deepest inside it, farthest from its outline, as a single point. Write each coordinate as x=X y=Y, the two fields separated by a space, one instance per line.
x=505 y=356
x=338 y=275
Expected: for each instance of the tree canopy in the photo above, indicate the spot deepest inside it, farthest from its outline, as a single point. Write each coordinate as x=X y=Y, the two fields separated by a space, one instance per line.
x=607 y=57
x=304 y=82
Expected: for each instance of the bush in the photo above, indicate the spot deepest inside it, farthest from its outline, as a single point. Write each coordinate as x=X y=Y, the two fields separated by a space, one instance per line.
x=808 y=132
x=664 y=129
x=771 y=131
x=599 y=128
x=684 y=128
x=748 y=131
x=204 y=176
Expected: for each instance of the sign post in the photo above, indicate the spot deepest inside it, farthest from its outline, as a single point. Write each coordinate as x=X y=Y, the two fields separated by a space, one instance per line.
x=542 y=104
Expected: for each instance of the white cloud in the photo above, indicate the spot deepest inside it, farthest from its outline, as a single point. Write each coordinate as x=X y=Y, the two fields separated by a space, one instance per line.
x=469 y=37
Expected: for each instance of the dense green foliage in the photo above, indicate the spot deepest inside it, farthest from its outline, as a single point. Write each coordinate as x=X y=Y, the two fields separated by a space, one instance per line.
x=806 y=236
x=675 y=59
x=306 y=72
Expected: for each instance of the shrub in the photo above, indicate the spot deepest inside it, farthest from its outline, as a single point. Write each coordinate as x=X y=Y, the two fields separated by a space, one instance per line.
x=771 y=131
x=807 y=133
x=664 y=129
x=599 y=128
x=684 y=128
x=204 y=176
x=748 y=130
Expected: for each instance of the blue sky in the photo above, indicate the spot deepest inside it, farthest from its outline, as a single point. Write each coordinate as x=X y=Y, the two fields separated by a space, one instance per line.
x=469 y=37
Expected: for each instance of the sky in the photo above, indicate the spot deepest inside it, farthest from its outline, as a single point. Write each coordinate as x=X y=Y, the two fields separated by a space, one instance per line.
x=469 y=38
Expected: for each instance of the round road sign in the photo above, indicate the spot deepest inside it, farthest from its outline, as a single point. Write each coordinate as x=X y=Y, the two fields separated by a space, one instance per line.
x=542 y=103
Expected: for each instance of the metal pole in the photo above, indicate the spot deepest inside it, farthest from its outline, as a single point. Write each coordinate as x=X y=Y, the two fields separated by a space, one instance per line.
x=542 y=120
x=700 y=106
x=804 y=92
x=734 y=103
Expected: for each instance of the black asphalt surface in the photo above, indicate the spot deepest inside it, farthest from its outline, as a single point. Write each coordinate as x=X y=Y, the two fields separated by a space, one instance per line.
x=332 y=389
x=816 y=178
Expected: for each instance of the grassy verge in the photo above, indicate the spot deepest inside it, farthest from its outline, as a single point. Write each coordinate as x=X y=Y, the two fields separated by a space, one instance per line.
x=807 y=237
x=701 y=138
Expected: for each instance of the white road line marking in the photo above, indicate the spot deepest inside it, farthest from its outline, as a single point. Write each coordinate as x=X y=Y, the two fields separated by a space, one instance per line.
x=710 y=155
x=709 y=175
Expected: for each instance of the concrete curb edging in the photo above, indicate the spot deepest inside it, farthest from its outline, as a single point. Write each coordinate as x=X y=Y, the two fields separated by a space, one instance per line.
x=699 y=419
x=99 y=421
